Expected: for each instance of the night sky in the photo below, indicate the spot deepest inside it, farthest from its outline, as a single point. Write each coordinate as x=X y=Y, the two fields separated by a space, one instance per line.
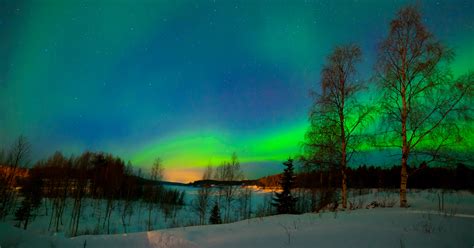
x=188 y=81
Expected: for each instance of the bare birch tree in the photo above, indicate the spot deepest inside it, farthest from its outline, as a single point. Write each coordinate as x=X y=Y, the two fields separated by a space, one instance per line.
x=419 y=93
x=203 y=197
x=157 y=169
x=337 y=109
x=229 y=172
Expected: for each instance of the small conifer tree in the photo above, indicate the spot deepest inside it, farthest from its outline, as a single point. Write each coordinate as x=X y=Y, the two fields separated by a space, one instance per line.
x=284 y=201
x=215 y=215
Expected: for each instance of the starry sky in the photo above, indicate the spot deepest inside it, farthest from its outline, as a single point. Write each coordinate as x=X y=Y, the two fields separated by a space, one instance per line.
x=187 y=81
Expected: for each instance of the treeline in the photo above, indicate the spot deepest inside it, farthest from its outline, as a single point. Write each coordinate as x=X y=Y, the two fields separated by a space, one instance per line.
x=209 y=182
x=422 y=177
x=59 y=182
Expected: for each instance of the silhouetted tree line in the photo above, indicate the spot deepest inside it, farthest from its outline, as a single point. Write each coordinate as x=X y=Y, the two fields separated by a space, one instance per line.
x=423 y=177
x=66 y=182
x=209 y=182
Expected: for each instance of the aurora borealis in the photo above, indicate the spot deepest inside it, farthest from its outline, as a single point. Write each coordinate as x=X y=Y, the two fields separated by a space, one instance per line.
x=188 y=81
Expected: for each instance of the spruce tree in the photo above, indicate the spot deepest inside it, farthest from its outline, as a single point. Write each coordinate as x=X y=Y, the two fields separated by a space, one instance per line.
x=215 y=215
x=284 y=201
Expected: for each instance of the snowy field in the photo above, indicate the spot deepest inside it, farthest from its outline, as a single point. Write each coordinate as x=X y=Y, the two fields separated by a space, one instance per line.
x=421 y=225
x=93 y=211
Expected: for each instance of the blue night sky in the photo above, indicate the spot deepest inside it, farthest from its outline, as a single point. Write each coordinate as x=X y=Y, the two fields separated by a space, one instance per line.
x=188 y=81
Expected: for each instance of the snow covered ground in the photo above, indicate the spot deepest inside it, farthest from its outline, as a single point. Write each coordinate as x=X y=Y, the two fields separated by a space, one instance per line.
x=93 y=212
x=421 y=225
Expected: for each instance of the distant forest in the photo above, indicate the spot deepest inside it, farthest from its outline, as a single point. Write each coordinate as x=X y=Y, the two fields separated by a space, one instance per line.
x=98 y=176
x=423 y=177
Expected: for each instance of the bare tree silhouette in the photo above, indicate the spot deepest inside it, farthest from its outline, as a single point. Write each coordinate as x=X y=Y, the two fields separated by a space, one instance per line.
x=419 y=94
x=337 y=115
